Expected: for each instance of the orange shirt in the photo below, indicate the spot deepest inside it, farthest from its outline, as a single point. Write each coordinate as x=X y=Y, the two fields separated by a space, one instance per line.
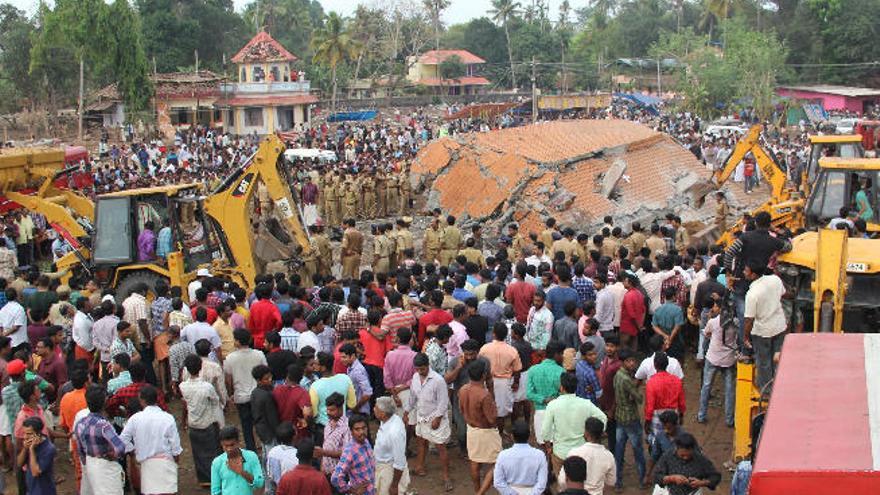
x=72 y=403
x=503 y=359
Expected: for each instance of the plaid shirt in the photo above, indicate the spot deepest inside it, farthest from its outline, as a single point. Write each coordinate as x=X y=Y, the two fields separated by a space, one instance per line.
x=95 y=437
x=12 y=402
x=336 y=435
x=437 y=357
x=176 y=354
x=328 y=311
x=361 y=381
x=327 y=340
x=588 y=386
x=356 y=466
x=160 y=307
x=124 y=394
x=585 y=289
x=627 y=398
x=677 y=282
x=352 y=320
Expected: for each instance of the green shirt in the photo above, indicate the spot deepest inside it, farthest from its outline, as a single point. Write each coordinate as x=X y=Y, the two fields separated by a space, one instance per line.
x=864 y=206
x=564 y=419
x=668 y=316
x=627 y=398
x=543 y=382
x=224 y=481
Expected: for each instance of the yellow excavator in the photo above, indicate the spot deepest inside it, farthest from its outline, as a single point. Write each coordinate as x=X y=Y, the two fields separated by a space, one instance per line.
x=833 y=279
x=786 y=202
x=217 y=230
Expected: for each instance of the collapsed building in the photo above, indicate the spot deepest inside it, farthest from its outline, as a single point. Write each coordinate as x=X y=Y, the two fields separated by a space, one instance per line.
x=575 y=171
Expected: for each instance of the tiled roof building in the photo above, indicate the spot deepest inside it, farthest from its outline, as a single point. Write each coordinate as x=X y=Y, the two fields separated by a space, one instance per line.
x=561 y=169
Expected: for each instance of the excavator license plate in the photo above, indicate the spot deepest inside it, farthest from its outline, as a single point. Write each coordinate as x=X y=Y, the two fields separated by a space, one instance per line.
x=857 y=267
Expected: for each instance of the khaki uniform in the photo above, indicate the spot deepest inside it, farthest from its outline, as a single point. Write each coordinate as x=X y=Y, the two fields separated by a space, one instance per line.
x=324 y=254
x=322 y=188
x=635 y=242
x=404 y=242
x=721 y=211
x=369 y=188
x=393 y=195
x=547 y=238
x=351 y=251
x=582 y=251
x=331 y=202
x=405 y=190
x=682 y=239
x=563 y=245
x=450 y=242
x=392 y=247
x=310 y=263
x=381 y=254
x=349 y=200
x=473 y=256
x=517 y=245
x=382 y=196
x=657 y=246
x=431 y=244
x=609 y=247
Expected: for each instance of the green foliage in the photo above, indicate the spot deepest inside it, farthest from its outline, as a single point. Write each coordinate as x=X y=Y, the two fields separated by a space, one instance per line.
x=712 y=80
x=452 y=68
x=333 y=45
x=128 y=58
x=16 y=82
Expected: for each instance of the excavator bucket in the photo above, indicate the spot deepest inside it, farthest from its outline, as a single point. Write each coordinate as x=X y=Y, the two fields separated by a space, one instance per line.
x=24 y=167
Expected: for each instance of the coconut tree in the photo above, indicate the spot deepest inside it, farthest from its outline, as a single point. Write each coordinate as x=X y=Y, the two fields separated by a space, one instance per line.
x=435 y=8
x=502 y=12
x=333 y=44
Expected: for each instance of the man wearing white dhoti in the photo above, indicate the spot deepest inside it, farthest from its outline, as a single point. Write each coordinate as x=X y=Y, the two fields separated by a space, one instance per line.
x=152 y=435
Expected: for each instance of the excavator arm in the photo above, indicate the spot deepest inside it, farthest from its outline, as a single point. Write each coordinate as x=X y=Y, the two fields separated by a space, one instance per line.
x=229 y=204
x=829 y=285
x=770 y=170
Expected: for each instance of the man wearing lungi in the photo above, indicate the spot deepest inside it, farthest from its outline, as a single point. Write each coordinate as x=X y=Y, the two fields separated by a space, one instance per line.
x=99 y=448
x=480 y=414
x=429 y=401
x=505 y=366
x=152 y=435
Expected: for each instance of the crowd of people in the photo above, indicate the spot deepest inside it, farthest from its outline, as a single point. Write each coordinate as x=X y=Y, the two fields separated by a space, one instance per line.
x=528 y=359
x=536 y=357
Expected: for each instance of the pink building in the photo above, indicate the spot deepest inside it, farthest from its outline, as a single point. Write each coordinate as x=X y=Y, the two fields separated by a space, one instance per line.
x=834 y=97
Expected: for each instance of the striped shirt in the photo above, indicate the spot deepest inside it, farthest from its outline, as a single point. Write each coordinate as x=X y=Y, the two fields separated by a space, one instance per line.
x=289 y=339
x=397 y=319
x=95 y=437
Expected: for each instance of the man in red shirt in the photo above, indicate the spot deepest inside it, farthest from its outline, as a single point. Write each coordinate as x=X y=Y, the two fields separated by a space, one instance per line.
x=264 y=316
x=663 y=392
x=632 y=311
x=293 y=401
x=520 y=293
x=437 y=316
x=304 y=479
x=202 y=302
x=377 y=342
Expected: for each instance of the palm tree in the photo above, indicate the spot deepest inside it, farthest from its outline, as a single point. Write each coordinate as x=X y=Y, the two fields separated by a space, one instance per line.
x=564 y=28
x=333 y=44
x=435 y=8
x=502 y=12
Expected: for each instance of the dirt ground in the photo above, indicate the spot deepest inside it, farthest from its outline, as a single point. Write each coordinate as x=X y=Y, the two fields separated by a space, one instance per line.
x=715 y=438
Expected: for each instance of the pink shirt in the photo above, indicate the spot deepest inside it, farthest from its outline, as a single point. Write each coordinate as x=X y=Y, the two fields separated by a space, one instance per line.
x=459 y=335
x=399 y=368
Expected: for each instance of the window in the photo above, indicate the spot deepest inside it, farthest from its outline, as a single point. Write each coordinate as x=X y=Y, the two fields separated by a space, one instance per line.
x=243 y=75
x=253 y=117
x=114 y=221
x=259 y=74
x=275 y=73
x=180 y=115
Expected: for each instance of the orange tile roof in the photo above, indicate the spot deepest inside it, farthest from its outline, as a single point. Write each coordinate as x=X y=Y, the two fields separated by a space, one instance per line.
x=554 y=169
x=263 y=48
x=433 y=57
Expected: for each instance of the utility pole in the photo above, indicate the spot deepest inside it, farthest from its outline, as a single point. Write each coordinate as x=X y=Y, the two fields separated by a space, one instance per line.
x=79 y=123
x=197 y=61
x=534 y=93
x=658 y=78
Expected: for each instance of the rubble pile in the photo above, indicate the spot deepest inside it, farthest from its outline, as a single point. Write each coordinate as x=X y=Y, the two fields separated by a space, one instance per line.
x=575 y=171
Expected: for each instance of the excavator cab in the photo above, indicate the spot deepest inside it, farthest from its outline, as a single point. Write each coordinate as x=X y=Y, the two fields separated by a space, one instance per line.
x=822 y=146
x=122 y=217
x=854 y=183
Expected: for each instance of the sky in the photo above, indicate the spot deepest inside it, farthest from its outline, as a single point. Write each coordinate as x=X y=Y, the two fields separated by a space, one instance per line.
x=458 y=11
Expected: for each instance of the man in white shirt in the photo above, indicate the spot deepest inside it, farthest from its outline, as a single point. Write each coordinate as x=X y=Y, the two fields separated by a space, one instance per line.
x=201 y=329
x=201 y=274
x=13 y=320
x=282 y=457
x=152 y=435
x=203 y=419
x=240 y=382
x=309 y=338
x=604 y=304
x=390 y=449
x=765 y=322
x=601 y=469
x=646 y=368
x=82 y=330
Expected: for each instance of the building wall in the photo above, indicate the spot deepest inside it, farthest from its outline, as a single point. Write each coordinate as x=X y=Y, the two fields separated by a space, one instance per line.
x=422 y=71
x=828 y=101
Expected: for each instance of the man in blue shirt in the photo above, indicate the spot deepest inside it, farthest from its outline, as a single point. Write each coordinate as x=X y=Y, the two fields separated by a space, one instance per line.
x=561 y=294
x=37 y=458
x=667 y=322
x=163 y=243
x=236 y=470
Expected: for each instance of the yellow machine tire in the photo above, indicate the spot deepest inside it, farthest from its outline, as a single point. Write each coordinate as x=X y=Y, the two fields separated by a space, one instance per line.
x=130 y=280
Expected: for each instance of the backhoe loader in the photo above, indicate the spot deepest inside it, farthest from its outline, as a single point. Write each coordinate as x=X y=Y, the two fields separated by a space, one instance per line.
x=218 y=230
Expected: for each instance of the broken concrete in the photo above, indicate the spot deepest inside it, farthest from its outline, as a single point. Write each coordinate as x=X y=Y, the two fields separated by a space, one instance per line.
x=575 y=171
